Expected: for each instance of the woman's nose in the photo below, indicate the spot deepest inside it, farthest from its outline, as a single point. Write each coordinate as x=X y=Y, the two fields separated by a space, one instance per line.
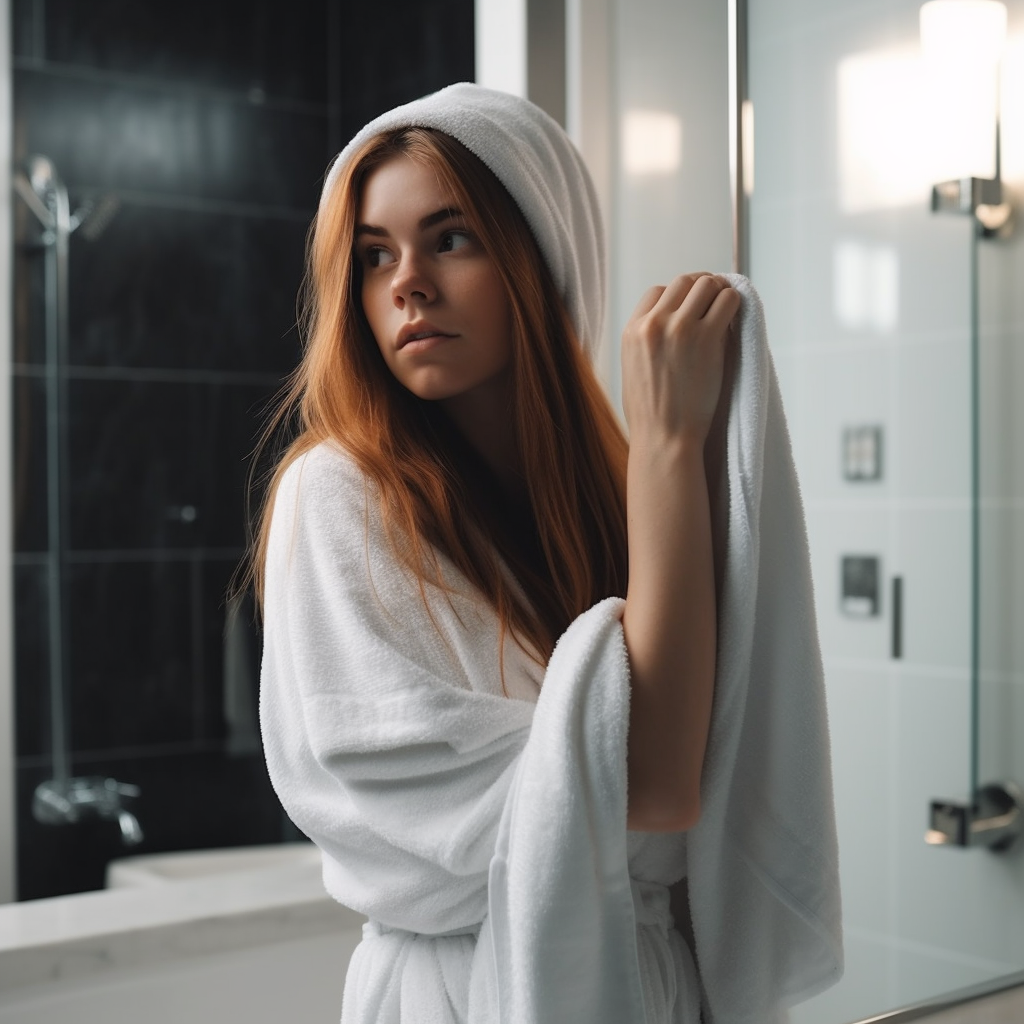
x=412 y=281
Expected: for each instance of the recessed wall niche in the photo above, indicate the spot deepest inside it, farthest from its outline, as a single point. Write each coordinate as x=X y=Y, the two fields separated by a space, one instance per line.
x=862 y=453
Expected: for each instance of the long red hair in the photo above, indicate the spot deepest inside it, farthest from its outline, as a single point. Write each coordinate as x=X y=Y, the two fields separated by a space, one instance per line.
x=573 y=451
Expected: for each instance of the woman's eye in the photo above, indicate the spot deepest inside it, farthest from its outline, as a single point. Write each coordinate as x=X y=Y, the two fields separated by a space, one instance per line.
x=452 y=240
x=375 y=256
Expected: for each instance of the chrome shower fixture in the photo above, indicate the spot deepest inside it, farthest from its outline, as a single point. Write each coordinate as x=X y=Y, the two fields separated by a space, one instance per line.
x=62 y=799
x=40 y=187
x=995 y=819
x=92 y=796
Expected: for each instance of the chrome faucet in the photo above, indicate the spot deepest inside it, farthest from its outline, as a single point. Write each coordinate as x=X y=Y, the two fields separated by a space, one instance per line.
x=62 y=802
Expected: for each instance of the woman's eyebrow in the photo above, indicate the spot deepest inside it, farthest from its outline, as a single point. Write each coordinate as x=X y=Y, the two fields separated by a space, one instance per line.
x=437 y=217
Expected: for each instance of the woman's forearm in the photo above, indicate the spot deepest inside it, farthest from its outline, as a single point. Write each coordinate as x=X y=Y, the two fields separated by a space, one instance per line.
x=670 y=630
x=673 y=354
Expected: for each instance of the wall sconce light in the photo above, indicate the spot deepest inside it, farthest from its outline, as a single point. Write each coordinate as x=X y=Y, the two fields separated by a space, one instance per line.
x=961 y=43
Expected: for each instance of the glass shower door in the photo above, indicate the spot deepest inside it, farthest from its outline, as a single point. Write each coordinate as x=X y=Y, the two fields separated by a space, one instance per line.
x=903 y=463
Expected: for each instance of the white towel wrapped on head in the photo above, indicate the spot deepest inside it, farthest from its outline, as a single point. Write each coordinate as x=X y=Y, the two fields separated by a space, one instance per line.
x=530 y=154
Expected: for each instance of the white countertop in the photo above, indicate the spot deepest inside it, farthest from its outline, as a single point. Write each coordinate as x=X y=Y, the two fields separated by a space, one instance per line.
x=65 y=936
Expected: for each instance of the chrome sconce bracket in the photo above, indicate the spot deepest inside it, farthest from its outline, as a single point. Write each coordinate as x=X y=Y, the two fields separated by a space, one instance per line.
x=994 y=820
x=981 y=198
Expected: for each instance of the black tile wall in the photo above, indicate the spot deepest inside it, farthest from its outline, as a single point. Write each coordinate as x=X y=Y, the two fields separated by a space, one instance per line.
x=160 y=465
x=28 y=393
x=169 y=142
x=31 y=659
x=194 y=289
x=230 y=707
x=433 y=49
x=29 y=299
x=130 y=634
x=244 y=45
x=200 y=132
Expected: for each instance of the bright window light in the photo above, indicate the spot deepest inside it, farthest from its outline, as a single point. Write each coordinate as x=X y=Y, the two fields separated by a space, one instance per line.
x=652 y=142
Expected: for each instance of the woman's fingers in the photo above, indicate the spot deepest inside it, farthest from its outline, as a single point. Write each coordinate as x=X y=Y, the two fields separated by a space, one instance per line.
x=673 y=352
x=692 y=295
x=648 y=301
x=723 y=307
x=697 y=292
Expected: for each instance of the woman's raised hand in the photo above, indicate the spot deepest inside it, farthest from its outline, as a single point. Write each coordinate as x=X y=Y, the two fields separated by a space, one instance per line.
x=673 y=353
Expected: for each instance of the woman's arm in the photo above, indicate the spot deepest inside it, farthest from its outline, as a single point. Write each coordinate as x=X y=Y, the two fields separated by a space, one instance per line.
x=672 y=357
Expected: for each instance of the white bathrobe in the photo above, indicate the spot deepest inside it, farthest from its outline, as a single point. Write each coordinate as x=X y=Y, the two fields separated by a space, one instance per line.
x=484 y=835
x=391 y=745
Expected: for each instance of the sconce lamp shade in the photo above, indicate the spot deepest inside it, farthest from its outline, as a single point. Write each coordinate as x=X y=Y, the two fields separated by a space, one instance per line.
x=961 y=43
x=958 y=32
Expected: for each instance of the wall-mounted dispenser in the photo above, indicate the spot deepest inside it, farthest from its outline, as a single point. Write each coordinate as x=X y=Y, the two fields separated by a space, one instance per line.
x=861 y=580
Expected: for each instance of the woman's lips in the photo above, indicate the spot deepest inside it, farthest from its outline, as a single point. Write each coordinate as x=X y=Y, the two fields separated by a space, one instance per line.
x=420 y=335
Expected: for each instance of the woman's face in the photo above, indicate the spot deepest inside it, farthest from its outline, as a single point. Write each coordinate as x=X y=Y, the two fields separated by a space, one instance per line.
x=432 y=296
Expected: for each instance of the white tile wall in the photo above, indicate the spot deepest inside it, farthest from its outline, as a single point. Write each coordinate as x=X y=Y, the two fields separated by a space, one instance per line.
x=1002 y=595
x=669 y=58
x=780 y=282
x=934 y=558
x=1002 y=412
x=932 y=456
x=893 y=349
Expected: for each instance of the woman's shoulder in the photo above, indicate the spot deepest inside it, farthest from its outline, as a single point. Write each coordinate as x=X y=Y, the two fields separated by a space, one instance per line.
x=327 y=471
x=325 y=465
x=325 y=487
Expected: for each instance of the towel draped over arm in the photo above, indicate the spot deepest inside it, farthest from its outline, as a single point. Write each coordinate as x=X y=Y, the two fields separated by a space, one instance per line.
x=763 y=865
x=439 y=806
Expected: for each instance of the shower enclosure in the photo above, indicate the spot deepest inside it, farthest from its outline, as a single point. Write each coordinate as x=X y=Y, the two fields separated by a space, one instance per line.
x=160 y=205
x=897 y=334
x=165 y=180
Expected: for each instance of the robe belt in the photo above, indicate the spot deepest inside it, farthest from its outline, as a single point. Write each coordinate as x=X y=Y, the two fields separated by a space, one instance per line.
x=650 y=905
x=374 y=929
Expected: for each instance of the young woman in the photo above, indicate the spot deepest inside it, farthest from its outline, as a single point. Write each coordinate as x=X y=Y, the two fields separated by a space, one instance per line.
x=460 y=496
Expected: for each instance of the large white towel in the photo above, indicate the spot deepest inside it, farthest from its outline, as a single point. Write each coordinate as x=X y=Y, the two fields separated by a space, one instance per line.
x=763 y=860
